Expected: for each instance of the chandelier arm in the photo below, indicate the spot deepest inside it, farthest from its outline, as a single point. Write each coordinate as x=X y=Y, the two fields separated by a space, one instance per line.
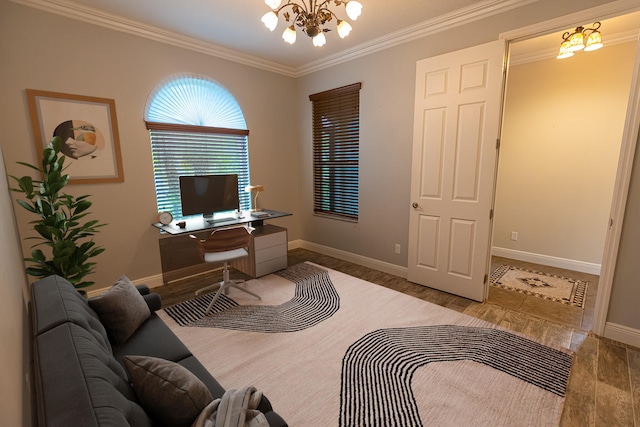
x=292 y=3
x=324 y=8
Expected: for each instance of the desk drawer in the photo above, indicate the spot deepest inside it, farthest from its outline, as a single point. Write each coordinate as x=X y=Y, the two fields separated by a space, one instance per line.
x=268 y=240
x=272 y=252
x=270 y=266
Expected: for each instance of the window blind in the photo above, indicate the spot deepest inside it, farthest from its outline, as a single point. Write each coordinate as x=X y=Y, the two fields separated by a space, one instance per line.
x=336 y=151
x=196 y=150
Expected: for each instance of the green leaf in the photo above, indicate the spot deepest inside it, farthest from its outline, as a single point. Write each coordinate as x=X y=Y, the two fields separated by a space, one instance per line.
x=56 y=144
x=82 y=206
x=27 y=206
x=38 y=255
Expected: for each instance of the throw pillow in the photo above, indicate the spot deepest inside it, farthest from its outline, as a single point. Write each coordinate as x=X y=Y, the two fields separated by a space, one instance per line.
x=121 y=310
x=169 y=392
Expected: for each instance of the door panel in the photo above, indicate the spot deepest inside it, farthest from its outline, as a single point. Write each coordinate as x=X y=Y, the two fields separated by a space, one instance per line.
x=456 y=122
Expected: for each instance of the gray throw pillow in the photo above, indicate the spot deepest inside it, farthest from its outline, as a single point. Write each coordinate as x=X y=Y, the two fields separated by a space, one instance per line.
x=121 y=310
x=169 y=392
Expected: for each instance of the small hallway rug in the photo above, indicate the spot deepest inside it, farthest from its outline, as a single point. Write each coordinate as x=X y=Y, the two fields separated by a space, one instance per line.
x=550 y=287
x=378 y=358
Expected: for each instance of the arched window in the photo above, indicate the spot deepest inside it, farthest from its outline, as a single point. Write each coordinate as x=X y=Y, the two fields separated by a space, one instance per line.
x=196 y=128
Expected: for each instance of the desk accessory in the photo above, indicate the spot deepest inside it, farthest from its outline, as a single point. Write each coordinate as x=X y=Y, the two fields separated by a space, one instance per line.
x=165 y=217
x=254 y=189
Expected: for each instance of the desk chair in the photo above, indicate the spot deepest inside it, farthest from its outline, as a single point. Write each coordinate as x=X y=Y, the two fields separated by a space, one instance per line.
x=224 y=245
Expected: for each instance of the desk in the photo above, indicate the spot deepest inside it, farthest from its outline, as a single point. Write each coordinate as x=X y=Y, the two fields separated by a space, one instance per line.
x=267 y=249
x=195 y=225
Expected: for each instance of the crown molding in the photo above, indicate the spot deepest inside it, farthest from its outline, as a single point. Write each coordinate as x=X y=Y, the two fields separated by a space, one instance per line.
x=94 y=16
x=541 y=55
x=454 y=19
x=451 y=20
x=602 y=12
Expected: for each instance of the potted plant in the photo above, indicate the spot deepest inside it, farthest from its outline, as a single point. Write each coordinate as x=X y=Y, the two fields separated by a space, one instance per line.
x=59 y=224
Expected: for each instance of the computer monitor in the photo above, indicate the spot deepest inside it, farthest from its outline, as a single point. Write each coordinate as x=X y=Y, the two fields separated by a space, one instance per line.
x=209 y=194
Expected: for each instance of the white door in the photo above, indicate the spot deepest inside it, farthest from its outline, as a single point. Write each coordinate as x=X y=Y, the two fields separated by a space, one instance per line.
x=456 y=126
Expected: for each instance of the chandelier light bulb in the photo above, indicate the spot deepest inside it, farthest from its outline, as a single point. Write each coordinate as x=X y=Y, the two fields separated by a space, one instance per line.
x=270 y=20
x=273 y=4
x=565 y=52
x=319 y=40
x=289 y=35
x=344 y=28
x=354 y=9
x=594 y=41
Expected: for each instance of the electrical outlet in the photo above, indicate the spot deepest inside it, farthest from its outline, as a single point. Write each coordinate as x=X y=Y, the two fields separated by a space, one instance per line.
x=397 y=248
x=514 y=235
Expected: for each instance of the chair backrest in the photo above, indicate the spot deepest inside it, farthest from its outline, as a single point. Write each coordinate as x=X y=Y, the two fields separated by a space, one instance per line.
x=224 y=239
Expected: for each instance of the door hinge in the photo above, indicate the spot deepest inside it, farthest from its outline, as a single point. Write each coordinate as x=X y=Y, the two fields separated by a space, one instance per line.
x=497 y=143
x=486 y=277
x=491 y=214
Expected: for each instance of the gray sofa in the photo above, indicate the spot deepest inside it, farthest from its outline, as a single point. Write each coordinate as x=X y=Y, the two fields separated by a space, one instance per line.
x=79 y=375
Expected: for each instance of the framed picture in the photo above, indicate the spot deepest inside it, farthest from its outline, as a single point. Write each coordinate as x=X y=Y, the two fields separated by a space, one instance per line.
x=89 y=131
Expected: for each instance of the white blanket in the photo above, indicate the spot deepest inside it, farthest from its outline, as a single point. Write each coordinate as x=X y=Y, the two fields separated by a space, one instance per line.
x=236 y=408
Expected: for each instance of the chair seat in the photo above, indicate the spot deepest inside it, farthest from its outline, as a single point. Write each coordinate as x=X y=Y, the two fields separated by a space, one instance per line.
x=226 y=255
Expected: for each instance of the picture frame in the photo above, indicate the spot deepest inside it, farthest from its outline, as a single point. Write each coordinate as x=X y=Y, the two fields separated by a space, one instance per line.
x=88 y=127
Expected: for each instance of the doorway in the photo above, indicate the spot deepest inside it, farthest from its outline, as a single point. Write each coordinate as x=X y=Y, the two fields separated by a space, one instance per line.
x=562 y=129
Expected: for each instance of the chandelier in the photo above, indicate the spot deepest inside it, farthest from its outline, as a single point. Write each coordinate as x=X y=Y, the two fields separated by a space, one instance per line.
x=582 y=38
x=310 y=18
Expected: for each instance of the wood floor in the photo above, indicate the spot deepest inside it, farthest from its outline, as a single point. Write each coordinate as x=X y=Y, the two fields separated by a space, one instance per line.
x=604 y=386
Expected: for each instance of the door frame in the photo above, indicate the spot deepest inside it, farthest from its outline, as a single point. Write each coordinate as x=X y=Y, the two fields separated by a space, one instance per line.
x=627 y=149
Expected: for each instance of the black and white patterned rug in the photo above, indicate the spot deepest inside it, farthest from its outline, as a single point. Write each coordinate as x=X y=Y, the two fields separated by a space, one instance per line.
x=315 y=300
x=550 y=287
x=382 y=359
x=377 y=370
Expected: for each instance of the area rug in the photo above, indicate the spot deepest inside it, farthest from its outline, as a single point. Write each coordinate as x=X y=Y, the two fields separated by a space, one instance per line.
x=384 y=358
x=314 y=300
x=550 y=287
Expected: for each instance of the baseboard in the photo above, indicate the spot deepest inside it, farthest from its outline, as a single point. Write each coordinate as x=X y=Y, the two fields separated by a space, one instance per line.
x=569 y=264
x=385 y=267
x=151 y=281
x=157 y=280
x=623 y=334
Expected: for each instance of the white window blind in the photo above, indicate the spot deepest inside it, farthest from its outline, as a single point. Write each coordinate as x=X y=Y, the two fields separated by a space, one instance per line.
x=336 y=152
x=196 y=128
x=179 y=150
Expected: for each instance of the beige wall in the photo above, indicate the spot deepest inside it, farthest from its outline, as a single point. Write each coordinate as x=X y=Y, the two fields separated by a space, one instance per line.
x=386 y=111
x=15 y=407
x=50 y=52
x=561 y=137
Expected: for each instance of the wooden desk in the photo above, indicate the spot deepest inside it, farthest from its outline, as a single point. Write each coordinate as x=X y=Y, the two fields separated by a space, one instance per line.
x=180 y=258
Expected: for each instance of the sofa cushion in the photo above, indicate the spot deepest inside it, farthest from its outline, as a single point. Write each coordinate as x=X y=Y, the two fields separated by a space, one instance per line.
x=122 y=309
x=170 y=393
x=55 y=301
x=78 y=383
x=152 y=338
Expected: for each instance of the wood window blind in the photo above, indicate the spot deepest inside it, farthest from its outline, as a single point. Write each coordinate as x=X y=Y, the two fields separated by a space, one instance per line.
x=196 y=150
x=336 y=146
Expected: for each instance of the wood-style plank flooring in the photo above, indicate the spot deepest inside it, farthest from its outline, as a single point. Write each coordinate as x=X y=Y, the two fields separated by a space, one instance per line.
x=604 y=386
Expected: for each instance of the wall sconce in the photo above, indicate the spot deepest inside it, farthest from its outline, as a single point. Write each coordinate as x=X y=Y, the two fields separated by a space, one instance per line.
x=573 y=42
x=254 y=189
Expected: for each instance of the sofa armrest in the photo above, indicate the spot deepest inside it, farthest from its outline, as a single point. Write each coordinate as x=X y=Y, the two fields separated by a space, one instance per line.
x=153 y=300
x=143 y=289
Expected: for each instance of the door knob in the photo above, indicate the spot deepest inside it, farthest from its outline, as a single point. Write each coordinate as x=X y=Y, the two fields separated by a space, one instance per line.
x=415 y=205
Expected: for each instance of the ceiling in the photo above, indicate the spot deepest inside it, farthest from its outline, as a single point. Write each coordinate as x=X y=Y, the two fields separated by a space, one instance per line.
x=232 y=29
